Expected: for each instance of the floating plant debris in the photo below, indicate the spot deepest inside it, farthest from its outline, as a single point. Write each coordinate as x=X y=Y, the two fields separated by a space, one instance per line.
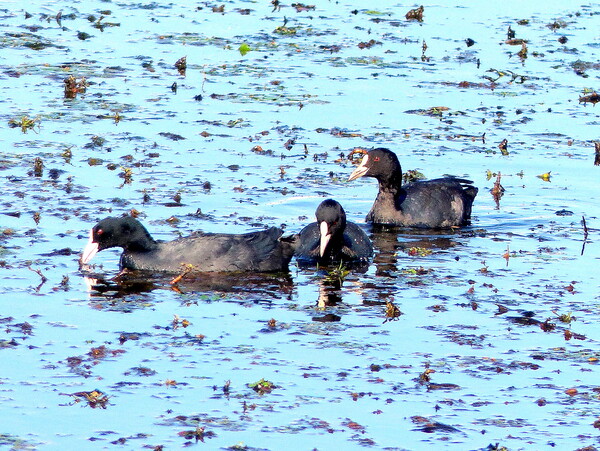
x=262 y=386
x=94 y=399
x=415 y=14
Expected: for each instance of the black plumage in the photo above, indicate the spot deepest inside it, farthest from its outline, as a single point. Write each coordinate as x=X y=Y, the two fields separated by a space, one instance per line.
x=437 y=203
x=262 y=251
x=332 y=238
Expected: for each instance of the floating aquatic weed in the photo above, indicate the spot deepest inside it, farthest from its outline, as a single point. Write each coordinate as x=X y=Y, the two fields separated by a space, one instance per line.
x=369 y=61
x=102 y=352
x=412 y=175
x=172 y=136
x=336 y=276
x=570 y=334
x=178 y=322
x=515 y=78
x=592 y=98
x=262 y=386
x=523 y=52
x=547 y=326
x=38 y=167
x=425 y=377
x=415 y=14
x=503 y=146
x=126 y=174
x=74 y=87
x=427 y=425
x=25 y=123
x=181 y=65
x=100 y=24
x=64 y=284
x=557 y=24
x=368 y=44
x=392 y=312
x=514 y=41
x=353 y=425
x=95 y=141
x=418 y=251
x=496 y=447
x=244 y=49
x=43 y=278
x=497 y=190
x=237 y=123
x=300 y=7
x=286 y=31
x=199 y=434
x=545 y=176
x=82 y=35
x=567 y=318
x=485 y=268
x=420 y=271
x=94 y=399
x=225 y=388
x=67 y=154
x=28 y=40
x=436 y=111
x=443 y=386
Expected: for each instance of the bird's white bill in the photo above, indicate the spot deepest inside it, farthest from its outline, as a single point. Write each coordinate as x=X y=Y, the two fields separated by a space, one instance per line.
x=361 y=170
x=325 y=237
x=90 y=250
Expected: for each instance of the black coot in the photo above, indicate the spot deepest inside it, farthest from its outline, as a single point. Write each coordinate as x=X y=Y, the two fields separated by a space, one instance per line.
x=332 y=238
x=264 y=251
x=437 y=203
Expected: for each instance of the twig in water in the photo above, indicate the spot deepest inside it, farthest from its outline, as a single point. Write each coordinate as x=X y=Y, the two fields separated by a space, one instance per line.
x=42 y=276
x=585 y=234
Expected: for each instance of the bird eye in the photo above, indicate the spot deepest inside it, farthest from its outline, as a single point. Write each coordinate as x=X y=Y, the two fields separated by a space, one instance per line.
x=376 y=159
x=99 y=232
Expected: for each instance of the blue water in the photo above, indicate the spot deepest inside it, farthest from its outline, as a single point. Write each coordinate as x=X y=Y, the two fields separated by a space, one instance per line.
x=329 y=394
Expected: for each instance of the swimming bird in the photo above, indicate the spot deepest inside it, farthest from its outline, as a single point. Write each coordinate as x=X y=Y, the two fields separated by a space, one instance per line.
x=437 y=203
x=332 y=238
x=262 y=251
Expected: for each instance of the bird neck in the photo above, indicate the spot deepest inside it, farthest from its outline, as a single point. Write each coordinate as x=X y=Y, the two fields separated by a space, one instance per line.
x=392 y=183
x=142 y=242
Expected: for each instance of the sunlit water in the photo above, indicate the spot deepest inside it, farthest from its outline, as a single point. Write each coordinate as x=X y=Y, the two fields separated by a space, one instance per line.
x=345 y=377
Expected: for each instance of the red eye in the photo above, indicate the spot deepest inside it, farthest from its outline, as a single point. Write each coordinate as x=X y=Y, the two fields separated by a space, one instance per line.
x=376 y=159
x=99 y=232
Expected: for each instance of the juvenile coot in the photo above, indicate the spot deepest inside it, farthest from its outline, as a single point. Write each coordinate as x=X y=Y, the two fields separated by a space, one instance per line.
x=264 y=251
x=332 y=238
x=437 y=203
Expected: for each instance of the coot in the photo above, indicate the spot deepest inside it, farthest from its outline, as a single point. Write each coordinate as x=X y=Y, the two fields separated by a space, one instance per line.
x=437 y=203
x=332 y=238
x=263 y=251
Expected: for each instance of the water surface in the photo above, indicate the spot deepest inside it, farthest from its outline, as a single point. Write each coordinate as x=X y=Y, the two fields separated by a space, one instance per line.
x=247 y=141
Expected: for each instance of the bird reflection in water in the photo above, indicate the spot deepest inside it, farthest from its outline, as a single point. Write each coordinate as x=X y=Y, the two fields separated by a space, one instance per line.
x=258 y=288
